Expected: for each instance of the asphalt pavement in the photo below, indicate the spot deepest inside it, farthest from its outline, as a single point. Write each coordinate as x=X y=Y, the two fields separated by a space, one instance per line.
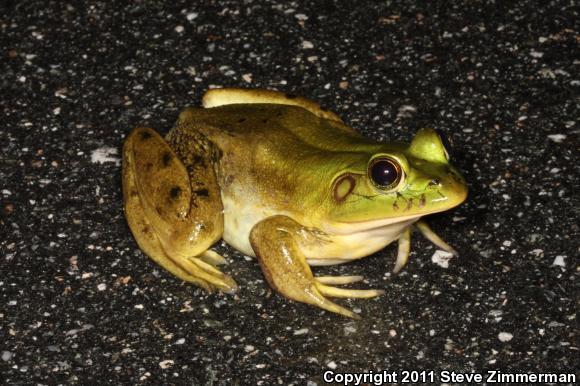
x=80 y=304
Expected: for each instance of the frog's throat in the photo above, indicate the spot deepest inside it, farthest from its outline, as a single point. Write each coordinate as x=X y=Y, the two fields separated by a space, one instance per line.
x=345 y=228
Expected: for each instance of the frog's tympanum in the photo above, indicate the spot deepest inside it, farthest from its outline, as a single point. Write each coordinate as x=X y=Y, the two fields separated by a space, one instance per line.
x=282 y=179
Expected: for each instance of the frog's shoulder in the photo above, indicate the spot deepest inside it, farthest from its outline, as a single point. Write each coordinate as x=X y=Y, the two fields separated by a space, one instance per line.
x=227 y=96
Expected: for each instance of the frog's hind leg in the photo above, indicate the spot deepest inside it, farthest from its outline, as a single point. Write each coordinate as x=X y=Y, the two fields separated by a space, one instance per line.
x=227 y=96
x=172 y=223
x=276 y=241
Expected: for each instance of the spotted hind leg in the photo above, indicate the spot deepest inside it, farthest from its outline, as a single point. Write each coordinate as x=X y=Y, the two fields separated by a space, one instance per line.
x=173 y=223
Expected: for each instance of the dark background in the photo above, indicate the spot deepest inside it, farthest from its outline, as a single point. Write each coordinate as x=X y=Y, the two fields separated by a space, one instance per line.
x=81 y=304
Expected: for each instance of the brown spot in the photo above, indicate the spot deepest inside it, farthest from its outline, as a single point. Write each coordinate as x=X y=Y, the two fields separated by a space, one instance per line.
x=175 y=192
x=264 y=121
x=148 y=166
x=9 y=208
x=145 y=135
x=343 y=186
x=409 y=204
x=395 y=206
x=198 y=160
x=134 y=193
x=422 y=201
x=228 y=180
x=202 y=192
x=291 y=96
x=166 y=159
x=241 y=120
x=323 y=108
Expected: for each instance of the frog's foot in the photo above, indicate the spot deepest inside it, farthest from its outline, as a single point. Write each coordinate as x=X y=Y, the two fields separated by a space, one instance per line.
x=405 y=244
x=434 y=238
x=276 y=242
x=172 y=225
x=226 y=96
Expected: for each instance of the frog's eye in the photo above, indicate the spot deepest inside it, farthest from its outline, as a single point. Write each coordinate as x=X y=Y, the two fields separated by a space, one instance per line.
x=445 y=142
x=386 y=173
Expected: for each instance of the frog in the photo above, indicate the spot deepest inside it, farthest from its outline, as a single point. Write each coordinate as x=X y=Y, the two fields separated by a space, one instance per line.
x=285 y=181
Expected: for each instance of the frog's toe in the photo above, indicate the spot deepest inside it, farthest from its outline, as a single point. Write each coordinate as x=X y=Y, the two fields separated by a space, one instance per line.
x=426 y=230
x=328 y=305
x=339 y=280
x=213 y=258
x=403 y=251
x=197 y=267
x=348 y=293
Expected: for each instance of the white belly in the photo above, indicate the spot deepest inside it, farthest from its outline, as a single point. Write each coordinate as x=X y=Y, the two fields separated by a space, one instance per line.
x=240 y=218
x=344 y=248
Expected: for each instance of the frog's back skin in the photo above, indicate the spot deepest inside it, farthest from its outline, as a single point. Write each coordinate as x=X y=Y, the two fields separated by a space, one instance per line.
x=250 y=137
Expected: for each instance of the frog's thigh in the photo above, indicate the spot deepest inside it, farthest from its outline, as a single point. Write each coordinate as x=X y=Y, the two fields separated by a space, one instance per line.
x=226 y=96
x=276 y=241
x=172 y=225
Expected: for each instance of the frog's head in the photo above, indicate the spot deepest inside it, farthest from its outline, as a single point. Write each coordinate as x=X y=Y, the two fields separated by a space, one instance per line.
x=396 y=182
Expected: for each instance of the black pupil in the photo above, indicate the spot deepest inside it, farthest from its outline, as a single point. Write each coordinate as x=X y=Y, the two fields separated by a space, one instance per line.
x=384 y=173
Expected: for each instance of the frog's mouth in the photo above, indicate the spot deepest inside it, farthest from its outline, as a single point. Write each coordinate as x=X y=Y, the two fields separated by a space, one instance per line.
x=346 y=228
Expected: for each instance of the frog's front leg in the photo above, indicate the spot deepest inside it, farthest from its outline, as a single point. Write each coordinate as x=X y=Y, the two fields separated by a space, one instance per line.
x=277 y=242
x=404 y=249
x=173 y=222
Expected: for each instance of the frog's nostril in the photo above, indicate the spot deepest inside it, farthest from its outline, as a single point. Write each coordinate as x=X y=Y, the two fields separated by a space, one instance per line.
x=434 y=181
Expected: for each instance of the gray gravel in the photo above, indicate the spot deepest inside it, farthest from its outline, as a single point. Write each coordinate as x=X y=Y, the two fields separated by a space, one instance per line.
x=80 y=304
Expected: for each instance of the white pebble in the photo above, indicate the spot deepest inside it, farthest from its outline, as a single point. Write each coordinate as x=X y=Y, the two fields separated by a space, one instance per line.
x=505 y=336
x=307 y=45
x=105 y=154
x=441 y=258
x=166 y=363
x=179 y=29
x=331 y=365
x=191 y=16
x=558 y=138
x=302 y=331
x=247 y=78
x=102 y=287
x=559 y=261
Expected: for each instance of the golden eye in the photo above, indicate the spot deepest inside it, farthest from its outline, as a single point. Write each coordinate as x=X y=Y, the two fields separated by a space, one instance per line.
x=385 y=172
